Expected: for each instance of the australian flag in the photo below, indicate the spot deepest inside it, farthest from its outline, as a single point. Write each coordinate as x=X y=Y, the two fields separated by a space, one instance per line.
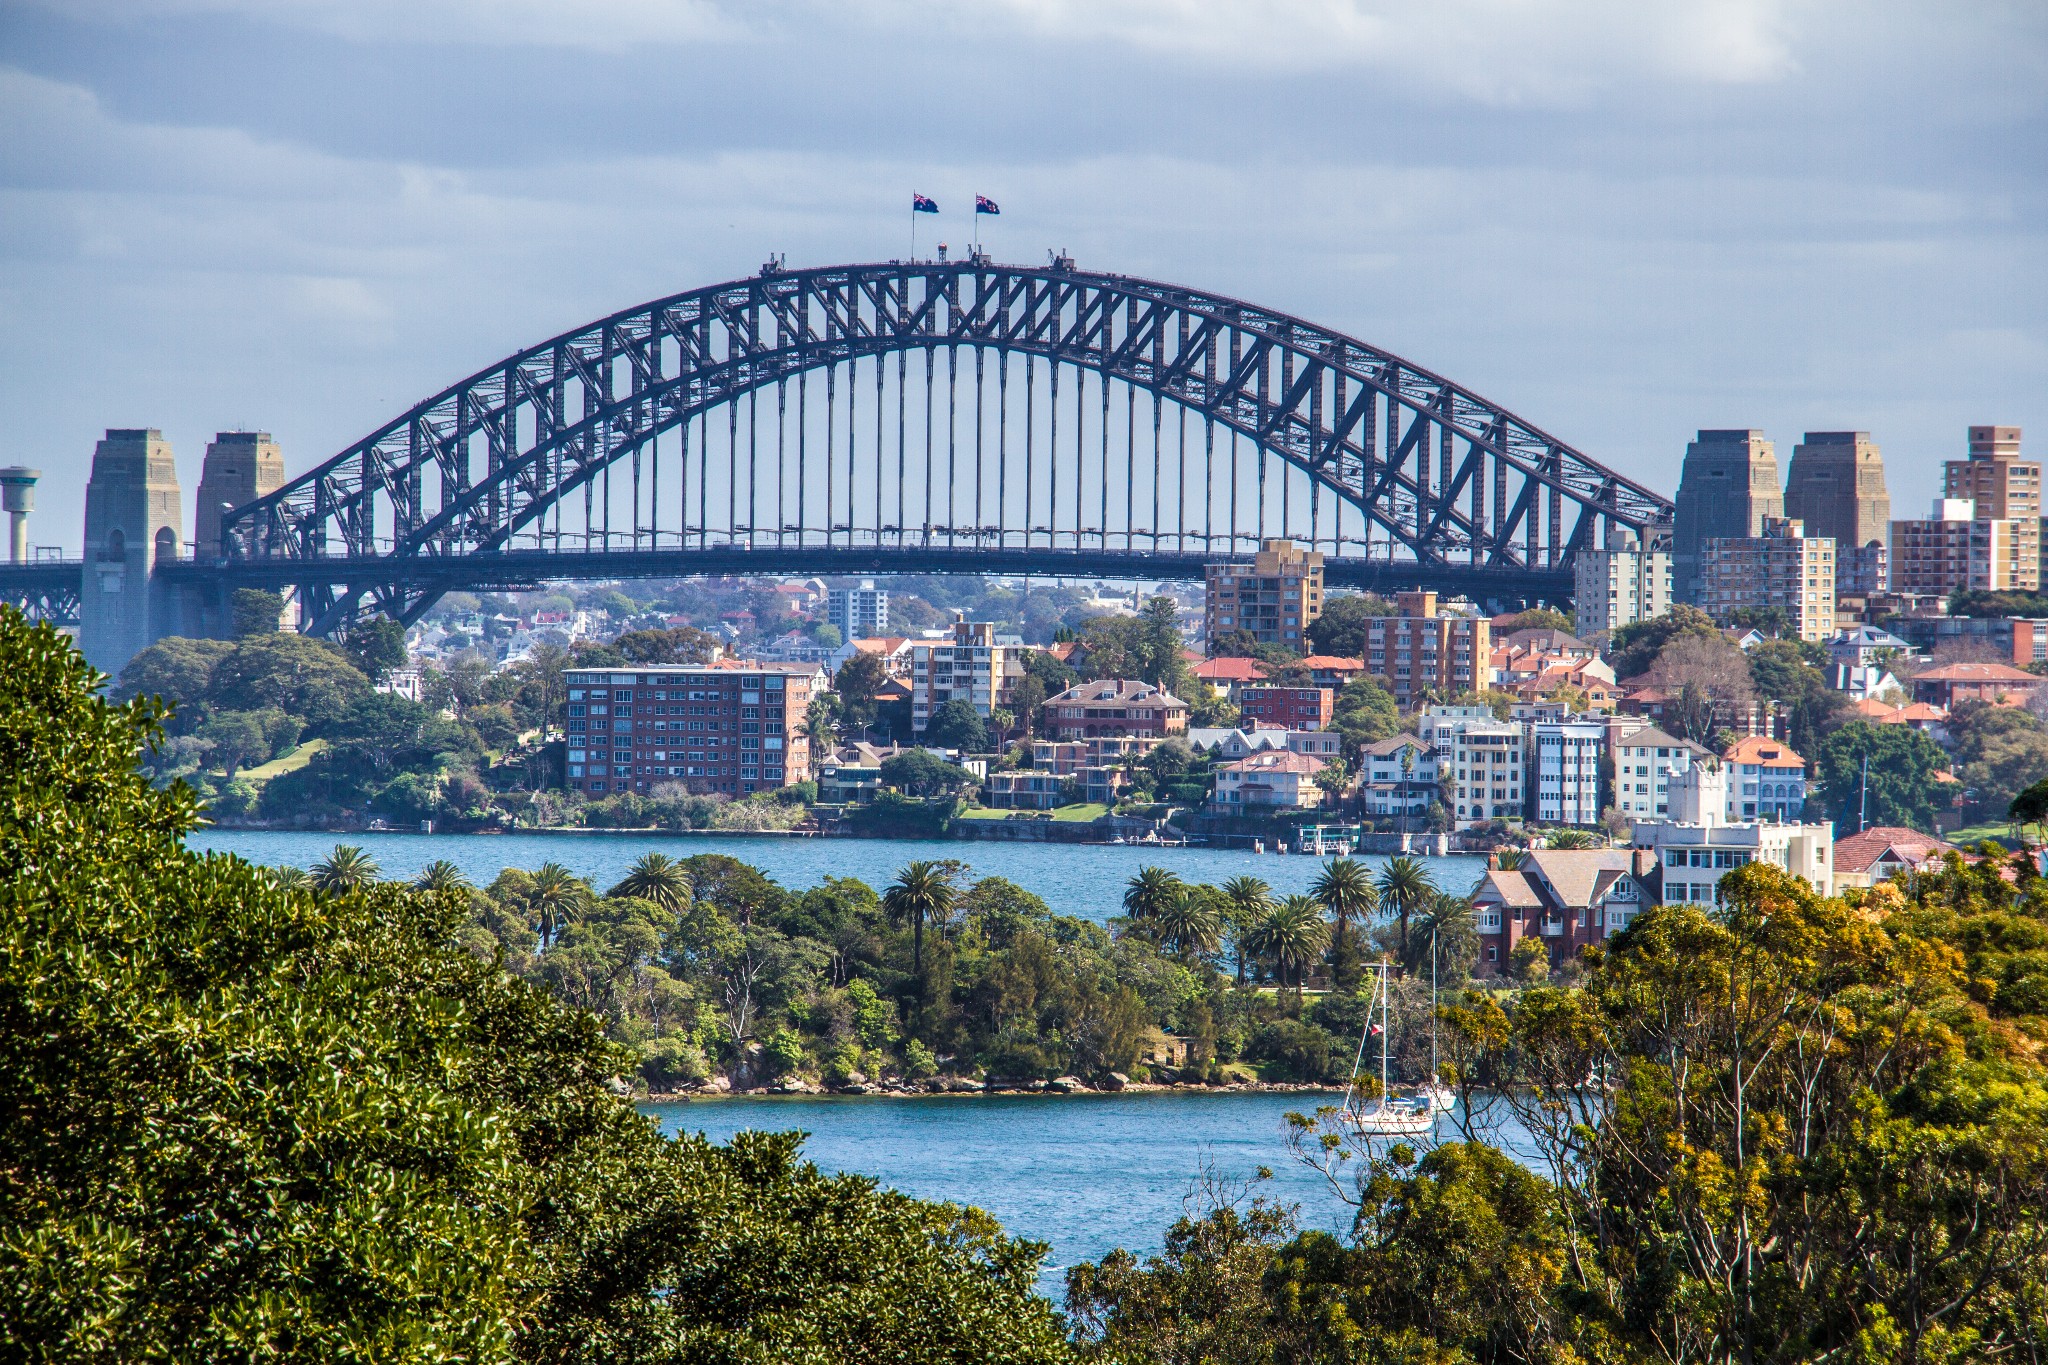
x=920 y=204
x=984 y=204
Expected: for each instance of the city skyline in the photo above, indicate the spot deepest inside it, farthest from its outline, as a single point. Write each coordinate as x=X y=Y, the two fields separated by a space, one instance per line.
x=1626 y=228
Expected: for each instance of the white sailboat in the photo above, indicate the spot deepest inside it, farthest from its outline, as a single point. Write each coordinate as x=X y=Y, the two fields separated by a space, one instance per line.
x=1440 y=1095
x=1389 y=1116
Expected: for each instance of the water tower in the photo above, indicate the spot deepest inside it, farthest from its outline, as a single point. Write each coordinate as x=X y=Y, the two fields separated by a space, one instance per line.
x=18 y=499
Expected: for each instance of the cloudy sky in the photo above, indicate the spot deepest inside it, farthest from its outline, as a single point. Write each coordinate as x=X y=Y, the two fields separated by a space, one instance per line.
x=1622 y=220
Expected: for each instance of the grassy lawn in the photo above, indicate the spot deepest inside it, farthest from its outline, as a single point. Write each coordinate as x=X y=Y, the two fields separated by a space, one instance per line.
x=1087 y=810
x=1975 y=834
x=291 y=762
x=982 y=813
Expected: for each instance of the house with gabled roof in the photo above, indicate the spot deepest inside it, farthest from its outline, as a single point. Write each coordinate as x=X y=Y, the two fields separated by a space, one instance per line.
x=1569 y=897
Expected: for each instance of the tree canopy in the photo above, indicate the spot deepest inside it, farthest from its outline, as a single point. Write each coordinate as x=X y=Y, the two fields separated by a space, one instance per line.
x=243 y=1120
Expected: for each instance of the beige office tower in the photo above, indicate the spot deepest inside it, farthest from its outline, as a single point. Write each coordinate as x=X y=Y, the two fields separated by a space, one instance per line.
x=1729 y=487
x=134 y=520
x=2004 y=488
x=1836 y=488
x=241 y=466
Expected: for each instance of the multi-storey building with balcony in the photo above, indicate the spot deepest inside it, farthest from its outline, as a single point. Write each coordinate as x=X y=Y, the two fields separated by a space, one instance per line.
x=731 y=729
x=1274 y=599
x=860 y=613
x=1956 y=547
x=1766 y=780
x=1620 y=585
x=1480 y=759
x=1782 y=568
x=1571 y=898
x=1698 y=845
x=1115 y=708
x=976 y=664
x=1564 y=780
x=1398 y=779
x=1645 y=762
x=1426 y=649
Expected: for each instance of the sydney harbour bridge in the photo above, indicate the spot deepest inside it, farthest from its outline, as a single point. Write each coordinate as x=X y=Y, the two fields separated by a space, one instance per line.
x=923 y=417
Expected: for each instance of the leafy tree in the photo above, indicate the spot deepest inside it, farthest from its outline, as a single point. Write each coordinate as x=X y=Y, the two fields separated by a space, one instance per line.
x=920 y=772
x=2030 y=807
x=856 y=683
x=1364 y=713
x=377 y=646
x=1902 y=765
x=234 y=740
x=1343 y=627
x=1054 y=675
x=297 y=674
x=252 y=611
x=1634 y=647
x=178 y=670
x=1536 y=618
x=243 y=1120
x=1999 y=750
x=441 y=875
x=957 y=725
x=676 y=645
x=1711 y=680
x=1789 y=673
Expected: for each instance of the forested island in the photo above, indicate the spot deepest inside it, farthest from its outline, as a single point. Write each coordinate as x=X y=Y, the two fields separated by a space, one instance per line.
x=245 y=1114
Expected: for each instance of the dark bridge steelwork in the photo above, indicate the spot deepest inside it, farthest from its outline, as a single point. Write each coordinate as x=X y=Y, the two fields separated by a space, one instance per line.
x=758 y=425
x=44 y=590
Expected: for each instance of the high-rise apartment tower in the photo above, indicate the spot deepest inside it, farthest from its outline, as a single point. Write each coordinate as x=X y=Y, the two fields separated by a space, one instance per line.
x=1729 y=486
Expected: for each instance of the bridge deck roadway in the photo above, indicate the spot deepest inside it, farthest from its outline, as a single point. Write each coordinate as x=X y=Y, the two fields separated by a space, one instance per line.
x=514 y=568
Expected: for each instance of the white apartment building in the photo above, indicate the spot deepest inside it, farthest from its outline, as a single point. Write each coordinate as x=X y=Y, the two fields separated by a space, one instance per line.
x=859 y=613
x=974 y=664
x=1398 y=778
x=1565 y=787
x=1480 y=759
x=1698 y=846
x=1645 y=762
x=1620 y=585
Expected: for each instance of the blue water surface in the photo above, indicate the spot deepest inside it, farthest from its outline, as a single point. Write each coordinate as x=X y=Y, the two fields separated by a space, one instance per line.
x=1086 y=880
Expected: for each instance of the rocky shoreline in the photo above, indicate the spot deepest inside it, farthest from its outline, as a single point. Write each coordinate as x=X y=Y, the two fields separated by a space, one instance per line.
x=719 y=1088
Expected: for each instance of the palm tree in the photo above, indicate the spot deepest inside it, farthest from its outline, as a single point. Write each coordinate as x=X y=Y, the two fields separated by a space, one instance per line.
x=1405 y=885
x=557 y=894
x=290 y=878
x=922 y=894
x=1189 y=923
x=441 y=875
x=1345 y=888
x=655 y=877
x=1292 y=936
x=1508 y=859
x=1249 y=900
x=348 y=868
x=1150 y=892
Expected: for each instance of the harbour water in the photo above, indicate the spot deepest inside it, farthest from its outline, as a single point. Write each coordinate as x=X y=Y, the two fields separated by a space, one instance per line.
x=1086 y=880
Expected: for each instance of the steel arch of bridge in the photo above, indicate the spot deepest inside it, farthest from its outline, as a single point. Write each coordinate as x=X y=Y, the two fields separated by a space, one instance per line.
x=484 y=465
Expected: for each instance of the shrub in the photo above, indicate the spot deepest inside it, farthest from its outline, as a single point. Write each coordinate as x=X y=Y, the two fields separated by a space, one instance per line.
x=1295 y=1050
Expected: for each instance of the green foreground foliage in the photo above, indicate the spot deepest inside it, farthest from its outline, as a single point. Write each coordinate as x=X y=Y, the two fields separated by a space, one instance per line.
x=1791 y=1129
x=241 y=1120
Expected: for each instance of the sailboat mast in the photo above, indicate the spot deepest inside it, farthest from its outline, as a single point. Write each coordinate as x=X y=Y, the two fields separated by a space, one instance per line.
x=1432 y=1007
x=1383 y=1033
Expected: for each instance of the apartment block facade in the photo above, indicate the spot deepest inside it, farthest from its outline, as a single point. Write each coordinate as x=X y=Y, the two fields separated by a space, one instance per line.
x=1289 y=708
x=1954 y=547
x=1645 y=763
x=724 y=729
x=1620 y=585
x=975 y=664
x=1114 y=708
x=1782 y=567
x=1422 y=648
x=860 y=613
x=1479 y=759
x=1565 y=781
x=1274 y=599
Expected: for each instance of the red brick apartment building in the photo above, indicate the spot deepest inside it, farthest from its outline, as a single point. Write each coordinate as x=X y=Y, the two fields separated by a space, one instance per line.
x=730 y=728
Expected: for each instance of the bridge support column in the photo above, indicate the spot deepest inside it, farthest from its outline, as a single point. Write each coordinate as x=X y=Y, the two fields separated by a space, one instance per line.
x=134 y=521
